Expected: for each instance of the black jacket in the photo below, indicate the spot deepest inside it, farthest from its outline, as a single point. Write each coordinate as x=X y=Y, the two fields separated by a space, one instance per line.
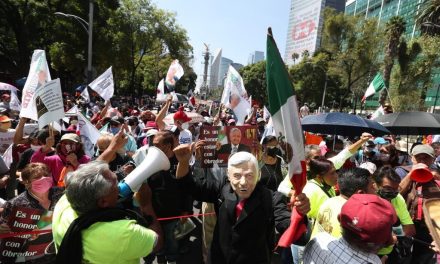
x=250 y=239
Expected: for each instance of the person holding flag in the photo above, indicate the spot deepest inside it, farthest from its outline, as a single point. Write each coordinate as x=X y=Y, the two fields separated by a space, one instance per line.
x=243 y=205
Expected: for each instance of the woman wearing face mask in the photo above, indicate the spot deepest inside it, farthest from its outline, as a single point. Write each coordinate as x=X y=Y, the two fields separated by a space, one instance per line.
x=69 y=155
x=388 y=156
x=271 y=175
x=29 y=144
x=39 y=194
x=387 y=182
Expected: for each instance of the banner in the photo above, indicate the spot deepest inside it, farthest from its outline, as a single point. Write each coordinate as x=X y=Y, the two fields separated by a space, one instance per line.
x=221 y=142
x=38 y=75
x=21 y=249
x=104 y=85
x=167 y=86
x=235 y=96
x=49 y=103
x=89 y=134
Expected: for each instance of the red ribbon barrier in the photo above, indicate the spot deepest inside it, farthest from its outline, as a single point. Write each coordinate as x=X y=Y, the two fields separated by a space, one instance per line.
x=36 y=232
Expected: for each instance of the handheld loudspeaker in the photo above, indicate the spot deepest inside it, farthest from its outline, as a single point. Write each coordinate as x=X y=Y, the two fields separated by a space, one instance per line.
x=155 y=161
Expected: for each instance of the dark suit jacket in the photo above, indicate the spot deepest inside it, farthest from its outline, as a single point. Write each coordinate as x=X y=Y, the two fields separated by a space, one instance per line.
x=250 y=238
x=226 y=148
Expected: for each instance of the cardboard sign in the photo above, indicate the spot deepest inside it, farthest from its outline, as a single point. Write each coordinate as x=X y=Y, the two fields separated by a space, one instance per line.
x=221 y=142
x=24 y=248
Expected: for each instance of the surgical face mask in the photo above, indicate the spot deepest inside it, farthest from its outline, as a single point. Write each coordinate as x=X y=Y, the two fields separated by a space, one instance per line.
x=384 y=157
x=185 y=125
x=114 y=130
x=387 y=194
x=35 y=147
x=42 y=185
x=369 y=149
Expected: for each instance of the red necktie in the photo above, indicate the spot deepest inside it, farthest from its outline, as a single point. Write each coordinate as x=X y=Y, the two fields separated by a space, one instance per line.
x=239 y=208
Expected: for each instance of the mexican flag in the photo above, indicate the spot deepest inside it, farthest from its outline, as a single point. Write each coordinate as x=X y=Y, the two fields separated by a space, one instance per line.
x=375 y=86
x=284 y=110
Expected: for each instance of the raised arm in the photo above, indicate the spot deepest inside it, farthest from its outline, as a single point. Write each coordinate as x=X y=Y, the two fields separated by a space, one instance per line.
x=18 y=137
x=161 y=115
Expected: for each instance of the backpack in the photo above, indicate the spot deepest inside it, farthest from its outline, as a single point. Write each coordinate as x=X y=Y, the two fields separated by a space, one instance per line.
x=417 y=194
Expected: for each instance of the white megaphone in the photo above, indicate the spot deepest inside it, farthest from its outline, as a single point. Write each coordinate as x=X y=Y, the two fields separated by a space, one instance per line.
x=155 y=161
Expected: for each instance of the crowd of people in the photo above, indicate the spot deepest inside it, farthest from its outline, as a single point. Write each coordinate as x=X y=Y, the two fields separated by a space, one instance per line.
x=362 y=203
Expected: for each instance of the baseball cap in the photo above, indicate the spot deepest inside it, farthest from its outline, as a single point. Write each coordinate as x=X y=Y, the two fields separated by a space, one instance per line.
x=4 y=119
x=230 y=121
x=181 y=116
x=72 y=137
x=380 y=141
x=260 y=119
x=370 y=166
x=423 y=149
x=151 y=132
x=420 y=173
x=150 y=125
x=370 y=217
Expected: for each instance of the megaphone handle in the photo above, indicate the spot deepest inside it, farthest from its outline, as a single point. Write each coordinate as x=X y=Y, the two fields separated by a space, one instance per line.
x=124 y=189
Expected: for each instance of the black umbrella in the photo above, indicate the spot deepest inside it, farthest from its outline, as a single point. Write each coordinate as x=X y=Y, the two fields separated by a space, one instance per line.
x=411 y=123
x=342 y=124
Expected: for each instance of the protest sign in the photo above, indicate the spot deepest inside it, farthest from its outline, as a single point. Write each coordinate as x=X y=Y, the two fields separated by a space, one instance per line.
x=6 y=139
x=104 y=85
x=221 y=142
x=38 y=75
x=49 y=103
x=24 y=248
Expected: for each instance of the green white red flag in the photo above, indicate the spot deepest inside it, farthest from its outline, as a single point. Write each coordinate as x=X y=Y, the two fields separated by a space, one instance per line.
x=284 y=110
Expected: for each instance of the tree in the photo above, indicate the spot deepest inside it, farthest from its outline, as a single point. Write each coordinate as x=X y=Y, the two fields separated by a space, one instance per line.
x=429 y=17
x=254 y=79
x=352 y=46
x=135 y=37
x=412 y=76
x=394 y=29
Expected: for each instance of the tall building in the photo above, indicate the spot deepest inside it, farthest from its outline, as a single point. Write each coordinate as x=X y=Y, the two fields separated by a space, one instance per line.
x=305 y=26
x=384 y=10
x=214 y=70
x=223 y=70
x=255 y=57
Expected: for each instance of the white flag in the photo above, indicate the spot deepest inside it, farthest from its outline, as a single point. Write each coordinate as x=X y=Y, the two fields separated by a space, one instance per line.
x=104 y=85
x=14 y=104
x=168 y=85
x=7 y=156
x=89 y=134
x=235 y=96
x=38 y=75
x=85 y=95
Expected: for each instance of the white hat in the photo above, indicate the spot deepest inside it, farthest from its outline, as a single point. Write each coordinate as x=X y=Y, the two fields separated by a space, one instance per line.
x=370 y=166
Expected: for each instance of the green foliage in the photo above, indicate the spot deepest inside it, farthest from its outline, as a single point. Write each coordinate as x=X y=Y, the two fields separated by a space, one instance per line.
x=134 y=36
x=254 y=79
x=412 y=77
x=352 y=46
x=429 y=17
